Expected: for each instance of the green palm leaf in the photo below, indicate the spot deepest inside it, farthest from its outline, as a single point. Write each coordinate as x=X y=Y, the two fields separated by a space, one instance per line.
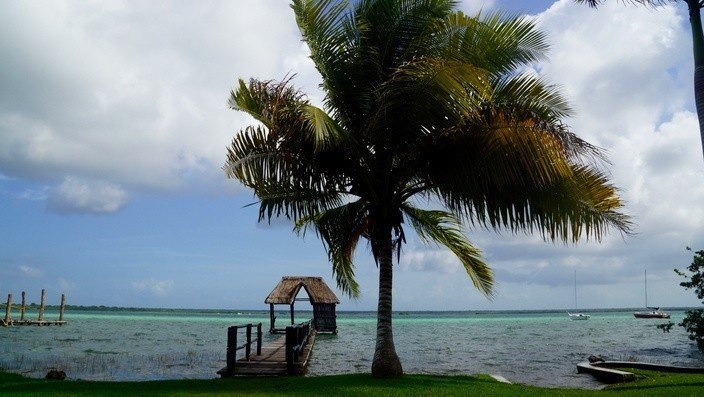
x=443 y=228
x=340 y=230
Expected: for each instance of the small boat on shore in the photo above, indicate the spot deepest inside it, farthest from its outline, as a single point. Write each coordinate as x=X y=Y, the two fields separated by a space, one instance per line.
x=651 y=312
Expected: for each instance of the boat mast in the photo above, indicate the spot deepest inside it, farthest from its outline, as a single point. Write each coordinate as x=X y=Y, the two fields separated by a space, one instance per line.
x=575 y=290
x=646 y=287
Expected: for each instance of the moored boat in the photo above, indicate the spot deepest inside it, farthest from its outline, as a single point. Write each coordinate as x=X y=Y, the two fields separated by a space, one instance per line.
x=652 y=312
x=578 y=316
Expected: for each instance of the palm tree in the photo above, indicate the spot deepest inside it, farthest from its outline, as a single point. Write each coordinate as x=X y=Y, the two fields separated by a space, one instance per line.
x=695 y=21
x=423 y=104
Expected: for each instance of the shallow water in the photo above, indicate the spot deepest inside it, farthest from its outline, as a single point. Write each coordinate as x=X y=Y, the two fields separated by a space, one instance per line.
x=533 y=348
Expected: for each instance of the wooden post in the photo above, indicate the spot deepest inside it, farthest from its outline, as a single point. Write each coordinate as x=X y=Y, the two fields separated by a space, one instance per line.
x=62 y=308
x=23 y=307
x=271 y=317
x=41 y=305
x=248 y=346
x=290 y=343
x=292 y=322
x=8 y=310
x=231 y=356
x=259 y=339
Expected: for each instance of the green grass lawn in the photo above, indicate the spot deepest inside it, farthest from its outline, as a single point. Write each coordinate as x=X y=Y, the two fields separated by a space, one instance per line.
x=653 y=384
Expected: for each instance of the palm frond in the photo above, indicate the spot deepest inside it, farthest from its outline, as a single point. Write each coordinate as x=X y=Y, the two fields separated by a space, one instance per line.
x=529 y=93
x=286 y=183
x=443 y=228
x=428 y=95
x=582 y=204
x=495 y=42
x=326 y=133
x=340 y=230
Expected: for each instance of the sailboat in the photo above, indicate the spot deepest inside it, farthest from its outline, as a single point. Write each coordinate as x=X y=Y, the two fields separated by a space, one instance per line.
x=651 y=312
x=577 y=316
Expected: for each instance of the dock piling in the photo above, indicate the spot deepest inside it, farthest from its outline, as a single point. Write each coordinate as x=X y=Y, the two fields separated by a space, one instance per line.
x=41 y=306
x=23 y=307
x=259 y=339
x=231 y=356
x=248 y=347
x=8 y=310
x=62 y=308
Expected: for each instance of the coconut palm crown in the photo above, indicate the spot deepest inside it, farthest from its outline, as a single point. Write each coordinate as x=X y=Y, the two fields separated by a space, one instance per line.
x=423 y=104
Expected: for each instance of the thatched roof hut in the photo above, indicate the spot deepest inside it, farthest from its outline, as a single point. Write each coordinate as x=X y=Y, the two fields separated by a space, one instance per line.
x=319 y=294
x=289 y=286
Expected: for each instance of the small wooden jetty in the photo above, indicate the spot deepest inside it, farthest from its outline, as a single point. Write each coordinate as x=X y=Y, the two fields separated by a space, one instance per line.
x=8 y=321
x=286 y=355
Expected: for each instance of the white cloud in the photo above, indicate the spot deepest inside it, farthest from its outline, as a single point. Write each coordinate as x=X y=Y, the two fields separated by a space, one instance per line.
x=27 y=271
x=159 y=288
x=76 y=195
x=33 y=195
x=106 y=92
x=430 y=260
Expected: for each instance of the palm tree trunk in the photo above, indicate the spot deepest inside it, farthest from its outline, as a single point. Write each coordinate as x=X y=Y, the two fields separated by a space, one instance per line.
x=695 y=21
x=386 y=363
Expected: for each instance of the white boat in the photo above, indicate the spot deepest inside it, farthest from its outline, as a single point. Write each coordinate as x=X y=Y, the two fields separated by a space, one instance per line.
x=651 y=312
x=577 y=316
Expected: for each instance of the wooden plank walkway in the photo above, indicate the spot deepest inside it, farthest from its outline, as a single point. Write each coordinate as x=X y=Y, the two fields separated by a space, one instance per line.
x=271 y=362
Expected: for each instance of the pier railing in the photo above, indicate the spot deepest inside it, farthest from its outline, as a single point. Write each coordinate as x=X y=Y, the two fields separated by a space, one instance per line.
x=232 y=346
x=296 y=340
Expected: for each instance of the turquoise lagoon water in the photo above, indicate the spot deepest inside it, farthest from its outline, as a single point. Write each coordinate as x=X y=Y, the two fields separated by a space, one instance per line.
x=540 y=348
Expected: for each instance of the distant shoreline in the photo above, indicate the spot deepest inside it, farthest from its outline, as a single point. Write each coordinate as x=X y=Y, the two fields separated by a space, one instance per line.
x=102 y=308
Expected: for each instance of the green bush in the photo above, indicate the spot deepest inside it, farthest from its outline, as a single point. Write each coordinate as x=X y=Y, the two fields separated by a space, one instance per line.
x=694 y=319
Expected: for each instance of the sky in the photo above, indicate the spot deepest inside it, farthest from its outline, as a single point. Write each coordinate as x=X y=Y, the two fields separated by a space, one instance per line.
x=114 y=125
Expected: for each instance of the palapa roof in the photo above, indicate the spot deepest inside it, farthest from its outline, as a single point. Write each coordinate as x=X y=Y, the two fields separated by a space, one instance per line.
x=287 y=289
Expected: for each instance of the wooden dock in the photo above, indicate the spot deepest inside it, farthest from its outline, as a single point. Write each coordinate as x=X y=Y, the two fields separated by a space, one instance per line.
x=286 y=355
x=8 y=321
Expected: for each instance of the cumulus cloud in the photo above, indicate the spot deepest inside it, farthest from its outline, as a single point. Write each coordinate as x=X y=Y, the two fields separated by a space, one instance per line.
x=76 y=195
x=159 y=288
x=430 y=260
x=104 y=91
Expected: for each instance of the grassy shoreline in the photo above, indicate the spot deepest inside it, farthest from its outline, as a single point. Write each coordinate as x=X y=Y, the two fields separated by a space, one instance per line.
x=652 y=384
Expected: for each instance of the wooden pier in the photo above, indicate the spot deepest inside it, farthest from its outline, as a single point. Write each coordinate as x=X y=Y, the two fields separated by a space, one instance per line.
x=8 y=321
x=287 y=355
